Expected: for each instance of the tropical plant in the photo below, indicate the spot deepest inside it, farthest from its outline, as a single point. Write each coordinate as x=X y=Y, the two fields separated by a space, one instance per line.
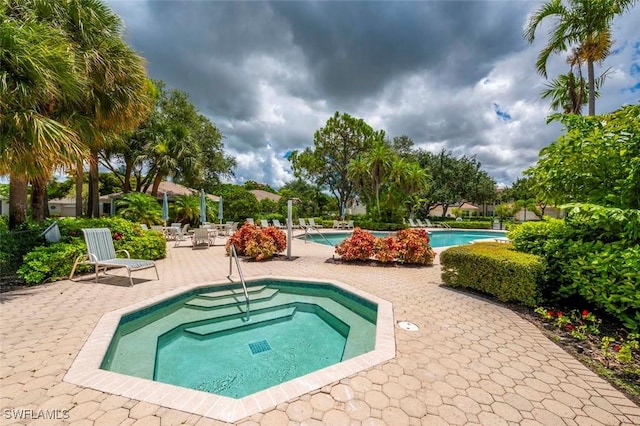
x=584 y=25
x=257 y=243
x=186 y=209
x=595 y=161
x=140 y=208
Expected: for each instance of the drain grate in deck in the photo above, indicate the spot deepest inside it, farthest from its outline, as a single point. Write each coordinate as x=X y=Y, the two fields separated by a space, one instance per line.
x=258 y=347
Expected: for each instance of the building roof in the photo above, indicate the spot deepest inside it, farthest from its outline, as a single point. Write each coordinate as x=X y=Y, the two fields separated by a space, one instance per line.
x=173 y=190
x=265 y=195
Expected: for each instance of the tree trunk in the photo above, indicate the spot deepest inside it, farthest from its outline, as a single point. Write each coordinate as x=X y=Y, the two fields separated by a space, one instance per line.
x=592 y=88
x=156 y=185
x=17 y=200
x=79 y=185
x=127 y=177
x=93 y=208
x=38 y=192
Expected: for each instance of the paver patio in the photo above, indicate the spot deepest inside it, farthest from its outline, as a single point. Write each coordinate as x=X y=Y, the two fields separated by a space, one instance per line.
x=471 y=361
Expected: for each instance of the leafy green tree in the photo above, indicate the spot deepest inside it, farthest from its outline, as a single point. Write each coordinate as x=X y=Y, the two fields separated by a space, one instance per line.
x=454 y=180
x=505 y=211
x=584 y=25
x=268 y=206
x=239 y=203
x=57 y=189
x=309 y=200
x=595 y=161
x=138 y=207
x=403 y=146
x=335 y=145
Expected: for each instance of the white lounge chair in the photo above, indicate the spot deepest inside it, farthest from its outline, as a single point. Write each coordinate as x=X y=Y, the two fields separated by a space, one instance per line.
x=250 y=221
x=102 y=254
x=201 y=238
x=264 y=223
x=412 y=224
x=349 y=225
x=312 y=222
x=277 y=224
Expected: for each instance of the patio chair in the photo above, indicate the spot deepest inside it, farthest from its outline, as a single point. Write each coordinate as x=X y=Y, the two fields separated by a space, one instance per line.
x=250 y=221
x=178 y=234
x=336 y=225
x=102 y=254
x=312 y=222
x=303 y=224
x=201 y=238
x=349 y=225
x=277 y=224
x=144 y=227
x=264 y=223
x=412 y=224
x=428 y=224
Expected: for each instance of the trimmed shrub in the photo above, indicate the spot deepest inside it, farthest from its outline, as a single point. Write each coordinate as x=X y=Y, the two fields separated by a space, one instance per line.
x=469 y=224
x=257 y=243
x=359 y=246
x=51 y=263
x=496 y=269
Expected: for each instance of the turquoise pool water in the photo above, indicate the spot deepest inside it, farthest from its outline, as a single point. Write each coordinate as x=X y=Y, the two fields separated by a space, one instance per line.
x=202 y=339
x=437 y=238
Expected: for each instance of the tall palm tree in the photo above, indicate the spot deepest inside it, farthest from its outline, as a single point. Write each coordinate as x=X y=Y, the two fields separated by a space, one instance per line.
x=40 y=85
x=585 y=25
x=379 y=159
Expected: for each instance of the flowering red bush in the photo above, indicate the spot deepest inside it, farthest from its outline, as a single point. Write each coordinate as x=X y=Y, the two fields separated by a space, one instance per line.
x=258 y=243
x=414 y=247
x=359 y=246
x=386 y=249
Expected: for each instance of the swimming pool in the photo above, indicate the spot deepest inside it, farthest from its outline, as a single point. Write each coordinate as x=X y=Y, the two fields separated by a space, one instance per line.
x=437 y=238
x=202 y=340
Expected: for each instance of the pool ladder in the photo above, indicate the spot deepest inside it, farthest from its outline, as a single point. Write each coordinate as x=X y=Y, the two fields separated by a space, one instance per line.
x=233 y=255
x=313 y=228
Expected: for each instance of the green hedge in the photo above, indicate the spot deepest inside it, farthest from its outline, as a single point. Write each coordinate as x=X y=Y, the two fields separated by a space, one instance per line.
x=496 y=269
x=470 y=224
x=379 y=226
x=592 y=256
x=54 y=261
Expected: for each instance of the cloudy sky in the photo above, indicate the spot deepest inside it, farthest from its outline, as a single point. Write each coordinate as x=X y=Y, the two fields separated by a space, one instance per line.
x=456 y=75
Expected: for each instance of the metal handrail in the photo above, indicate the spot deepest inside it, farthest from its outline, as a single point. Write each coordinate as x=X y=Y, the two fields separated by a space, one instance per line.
x=234 y=255
x=306 y=231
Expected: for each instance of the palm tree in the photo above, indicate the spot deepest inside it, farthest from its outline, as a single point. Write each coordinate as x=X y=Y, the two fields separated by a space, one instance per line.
x=139 y=207
x=585 y=25
x=187 y=208
x=40 y=84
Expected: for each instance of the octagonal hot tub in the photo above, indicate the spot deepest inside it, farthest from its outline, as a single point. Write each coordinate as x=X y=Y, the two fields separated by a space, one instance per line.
x=200 y=350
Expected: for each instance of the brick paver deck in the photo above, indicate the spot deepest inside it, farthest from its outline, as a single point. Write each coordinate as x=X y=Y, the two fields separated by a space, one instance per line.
x=471 y=362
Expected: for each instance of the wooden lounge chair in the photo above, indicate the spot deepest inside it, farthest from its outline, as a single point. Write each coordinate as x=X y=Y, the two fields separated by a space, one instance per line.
x=102 y=254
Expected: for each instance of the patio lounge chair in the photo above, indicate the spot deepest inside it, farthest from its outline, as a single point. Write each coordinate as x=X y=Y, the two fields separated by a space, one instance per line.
x=336 y=225
x=200 y=238
x=277 y=224
x=250 y=221
x=305 y=226
x=312 y=222
x=349 y=225
x=264 y=223
x=412 y=224
x=102 y=254
x=431 y=225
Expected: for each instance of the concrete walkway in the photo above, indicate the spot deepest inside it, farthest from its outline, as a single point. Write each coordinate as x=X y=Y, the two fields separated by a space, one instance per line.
x=471 y=362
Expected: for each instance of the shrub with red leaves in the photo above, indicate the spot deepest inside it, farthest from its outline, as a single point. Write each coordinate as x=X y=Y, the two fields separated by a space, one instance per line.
x=278 y=236
x=414 y=247
x=386 y=249
x=257 y=243
x=359 y=246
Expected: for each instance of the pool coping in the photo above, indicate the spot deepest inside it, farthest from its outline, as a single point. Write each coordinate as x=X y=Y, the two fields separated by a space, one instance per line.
x=85 y=369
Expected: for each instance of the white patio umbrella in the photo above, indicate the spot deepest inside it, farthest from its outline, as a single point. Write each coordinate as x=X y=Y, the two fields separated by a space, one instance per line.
x=220 y=209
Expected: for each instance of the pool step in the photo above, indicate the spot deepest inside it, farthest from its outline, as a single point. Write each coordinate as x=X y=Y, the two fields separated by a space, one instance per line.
x=231 y=292
x=236 y=323
x=231 y=300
